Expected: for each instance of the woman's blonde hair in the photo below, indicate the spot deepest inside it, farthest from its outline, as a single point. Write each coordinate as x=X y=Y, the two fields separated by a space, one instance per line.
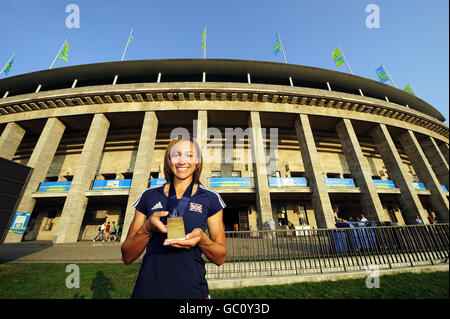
x=168 y=174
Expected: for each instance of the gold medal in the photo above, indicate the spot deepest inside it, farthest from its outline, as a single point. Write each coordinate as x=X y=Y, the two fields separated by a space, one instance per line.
x=175 y=228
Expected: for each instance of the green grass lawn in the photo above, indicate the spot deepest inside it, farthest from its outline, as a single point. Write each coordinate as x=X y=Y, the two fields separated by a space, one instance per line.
x=116 y=281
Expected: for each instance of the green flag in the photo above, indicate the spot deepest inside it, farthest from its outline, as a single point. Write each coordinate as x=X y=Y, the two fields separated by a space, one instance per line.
x=408 y=89
x=204 y=40
x=65 y=52
x=337 y=57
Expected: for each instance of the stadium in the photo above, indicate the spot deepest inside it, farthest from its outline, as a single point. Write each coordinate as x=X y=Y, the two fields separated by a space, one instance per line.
x=309 y=146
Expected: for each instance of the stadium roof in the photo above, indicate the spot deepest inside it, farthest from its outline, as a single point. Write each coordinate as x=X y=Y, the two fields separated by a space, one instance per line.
x=217 y=70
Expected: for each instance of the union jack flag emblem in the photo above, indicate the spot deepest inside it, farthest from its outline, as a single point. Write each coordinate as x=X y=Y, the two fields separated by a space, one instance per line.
x=195 y=207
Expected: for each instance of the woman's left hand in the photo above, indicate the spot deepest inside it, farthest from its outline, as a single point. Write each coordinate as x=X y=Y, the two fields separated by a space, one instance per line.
x=191 y=240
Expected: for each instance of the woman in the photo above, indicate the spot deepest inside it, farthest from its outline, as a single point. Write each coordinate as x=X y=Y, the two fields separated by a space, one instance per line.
x=175 y=268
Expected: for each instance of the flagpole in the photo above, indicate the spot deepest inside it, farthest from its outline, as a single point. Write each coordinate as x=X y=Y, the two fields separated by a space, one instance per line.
x=282 y=48
x=126 y=47
x=384 y=68
x=51 y=66
x=345 y=59
x=204 y=51
x=3 y=69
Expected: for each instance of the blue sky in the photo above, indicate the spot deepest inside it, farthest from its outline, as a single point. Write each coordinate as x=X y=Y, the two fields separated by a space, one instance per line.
x=412 y=40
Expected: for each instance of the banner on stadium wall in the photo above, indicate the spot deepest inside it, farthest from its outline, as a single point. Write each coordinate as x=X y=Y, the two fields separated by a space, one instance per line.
x=230 y=182
x=419 y=186
x=111 y=184
x=54 y=186
x=444 y=188
x=384 y=184
x=19 y=223
x=339 y=182
x=287 y=182
x=157 y=182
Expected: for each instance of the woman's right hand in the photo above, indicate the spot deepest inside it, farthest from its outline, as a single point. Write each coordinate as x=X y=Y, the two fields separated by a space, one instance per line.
x=154 y=223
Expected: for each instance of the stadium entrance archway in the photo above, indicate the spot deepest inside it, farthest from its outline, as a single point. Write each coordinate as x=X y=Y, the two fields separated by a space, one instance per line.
x=238 y=215
x=102 y=209
x=346 y=206
x=44 y=218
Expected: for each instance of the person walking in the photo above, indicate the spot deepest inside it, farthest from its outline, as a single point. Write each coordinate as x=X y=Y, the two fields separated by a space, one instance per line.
x=101 y=231
x=271 y=226
x=108 y=231
x=113 y=231
x=118 y=232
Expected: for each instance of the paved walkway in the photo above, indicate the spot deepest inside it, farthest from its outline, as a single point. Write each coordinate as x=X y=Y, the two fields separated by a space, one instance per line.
x=47 y=252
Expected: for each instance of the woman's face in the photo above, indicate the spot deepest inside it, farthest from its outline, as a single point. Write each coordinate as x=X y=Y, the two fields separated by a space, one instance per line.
x=183 y=159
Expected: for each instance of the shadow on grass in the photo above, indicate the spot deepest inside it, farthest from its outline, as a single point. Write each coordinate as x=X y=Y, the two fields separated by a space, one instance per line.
x=101 y=286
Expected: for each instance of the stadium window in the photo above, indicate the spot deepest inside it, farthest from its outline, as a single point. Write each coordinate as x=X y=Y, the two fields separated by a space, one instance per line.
x=297 y=174
x=391 y=213
x=376 y=177
x=127 y=175
x=236 y=174
x=109 y=176
x=51 y=179
x=302 y=216
x=154 y=174
x=348 y=176
x=333 y=175
x=281 y=214
x=215 y=174
x=276 y=174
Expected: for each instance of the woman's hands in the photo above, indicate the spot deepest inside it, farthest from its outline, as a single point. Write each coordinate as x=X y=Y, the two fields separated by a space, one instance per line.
x=154 y=223
x=191 y=240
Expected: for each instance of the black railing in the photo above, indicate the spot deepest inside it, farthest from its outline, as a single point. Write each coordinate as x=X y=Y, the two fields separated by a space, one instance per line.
x=291 y=252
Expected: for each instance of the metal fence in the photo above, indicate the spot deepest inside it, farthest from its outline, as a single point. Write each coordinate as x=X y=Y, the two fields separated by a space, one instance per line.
x=296 y=252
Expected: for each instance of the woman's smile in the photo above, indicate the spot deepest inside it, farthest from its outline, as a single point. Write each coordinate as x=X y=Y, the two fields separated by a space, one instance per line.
x=183 y=160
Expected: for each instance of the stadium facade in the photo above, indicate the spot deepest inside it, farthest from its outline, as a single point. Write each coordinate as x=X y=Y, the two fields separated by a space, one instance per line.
x=95 y=137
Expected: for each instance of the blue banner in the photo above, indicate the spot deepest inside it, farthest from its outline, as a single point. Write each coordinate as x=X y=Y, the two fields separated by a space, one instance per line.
x=287 y=181
x=54 y=186
x=444 y=188
x=112 y=184
x=384 y=184
x=19 y=223
x=419 y=186
x=157 y=182
x=339 y=182
x=230 y=182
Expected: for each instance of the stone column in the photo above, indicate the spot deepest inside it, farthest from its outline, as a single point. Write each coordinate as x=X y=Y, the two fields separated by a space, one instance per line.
x=142 y=167
x=201 y=136
x=40 y=161
x=263 y=204
x=423 y=169
x=10 y=140
x=444 y=150
x=370 y=201
x=409 y=200
x=313 y=170
x=436 y=159
x=69 y=224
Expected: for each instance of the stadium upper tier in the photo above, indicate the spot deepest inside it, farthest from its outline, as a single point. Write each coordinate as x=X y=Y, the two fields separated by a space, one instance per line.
x=210 y=70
